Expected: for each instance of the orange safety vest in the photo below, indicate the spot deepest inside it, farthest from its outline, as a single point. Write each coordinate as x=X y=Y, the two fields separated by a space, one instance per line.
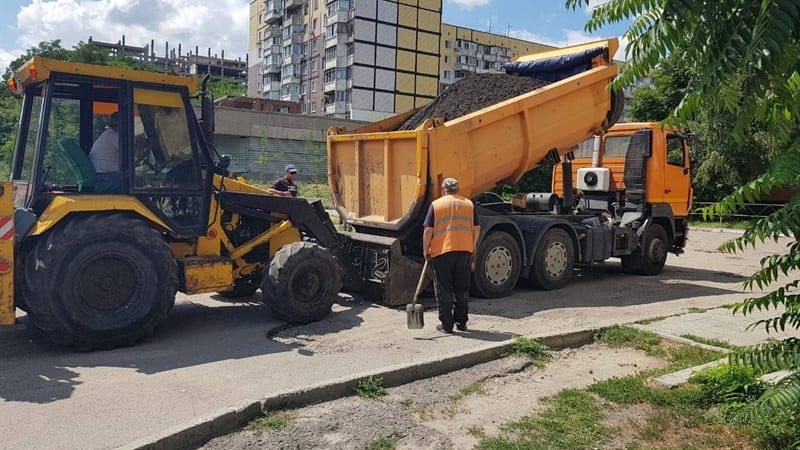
x=453 y=222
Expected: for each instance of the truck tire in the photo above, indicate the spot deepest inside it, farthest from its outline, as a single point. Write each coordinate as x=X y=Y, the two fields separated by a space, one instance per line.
x=553 y=260
x=301 y=283
x=99 y=282
x=245 y=287
x=650 y=257
x=497 y=266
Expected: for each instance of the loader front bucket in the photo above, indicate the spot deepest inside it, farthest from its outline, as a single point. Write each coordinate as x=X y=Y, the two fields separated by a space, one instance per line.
x=389 y=277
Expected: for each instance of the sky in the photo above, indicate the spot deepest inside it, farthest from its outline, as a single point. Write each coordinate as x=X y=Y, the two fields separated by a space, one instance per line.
x=222 y=24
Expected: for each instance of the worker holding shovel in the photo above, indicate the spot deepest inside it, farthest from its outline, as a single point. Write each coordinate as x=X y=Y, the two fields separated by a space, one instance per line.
x=448 y=241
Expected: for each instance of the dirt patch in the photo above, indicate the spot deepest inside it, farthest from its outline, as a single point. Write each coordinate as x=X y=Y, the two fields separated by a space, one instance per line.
x=471 y=94
x=452 y=411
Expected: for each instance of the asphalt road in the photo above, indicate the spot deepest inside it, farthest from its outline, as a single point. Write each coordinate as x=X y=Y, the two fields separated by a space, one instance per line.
x=211 y=354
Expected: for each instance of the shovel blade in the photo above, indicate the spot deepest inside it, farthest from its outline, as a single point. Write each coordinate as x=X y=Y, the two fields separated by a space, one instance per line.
x=414 y=317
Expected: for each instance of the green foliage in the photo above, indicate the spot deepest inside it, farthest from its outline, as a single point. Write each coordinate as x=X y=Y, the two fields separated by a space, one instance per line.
x=727 y=384
x=707 y=341
x=536 y=180
x=572 y=421
x=744 y=62
x=226 y=88
x=370 y=388
x=530 y=348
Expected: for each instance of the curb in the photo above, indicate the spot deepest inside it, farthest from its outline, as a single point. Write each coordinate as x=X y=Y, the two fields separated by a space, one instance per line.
x=232 y=418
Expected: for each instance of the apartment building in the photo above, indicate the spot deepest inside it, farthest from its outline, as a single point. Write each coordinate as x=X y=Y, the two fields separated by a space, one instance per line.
x=365 y=59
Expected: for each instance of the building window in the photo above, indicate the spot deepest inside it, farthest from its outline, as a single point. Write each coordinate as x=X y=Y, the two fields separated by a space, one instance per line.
x=446 y=44
x=316 y=5
x=446 y=59
x=313 y=107
x=446 y=74
x=315 y=22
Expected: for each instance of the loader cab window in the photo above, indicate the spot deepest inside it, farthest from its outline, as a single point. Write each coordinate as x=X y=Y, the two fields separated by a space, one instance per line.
x=57 y=131
x=167 y=166
x=676 y=155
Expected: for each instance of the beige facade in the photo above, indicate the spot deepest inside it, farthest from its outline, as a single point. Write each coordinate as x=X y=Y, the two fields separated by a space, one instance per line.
x=365 y=59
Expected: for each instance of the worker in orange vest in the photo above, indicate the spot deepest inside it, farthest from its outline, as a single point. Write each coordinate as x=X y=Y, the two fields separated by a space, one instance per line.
x=448 y=241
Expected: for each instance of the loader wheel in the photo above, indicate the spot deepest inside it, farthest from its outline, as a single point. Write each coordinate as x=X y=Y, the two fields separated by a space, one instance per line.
x=302 y=283
x=497 y=266
x=99 y=282
x=242 y=288
x=553 y=261
x=650 y=257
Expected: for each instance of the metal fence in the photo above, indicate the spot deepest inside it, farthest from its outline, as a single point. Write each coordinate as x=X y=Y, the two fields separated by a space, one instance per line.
x=749 y=211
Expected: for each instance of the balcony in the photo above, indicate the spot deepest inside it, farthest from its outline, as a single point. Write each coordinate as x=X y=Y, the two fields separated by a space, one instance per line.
x=292 y=59
x=290 y=79
x=272 y=86
x=336 y=85
x=290 y=5
x=272 y=16
x=290 y=97
x=339 y=108
x=272 y=67
x=334 y=15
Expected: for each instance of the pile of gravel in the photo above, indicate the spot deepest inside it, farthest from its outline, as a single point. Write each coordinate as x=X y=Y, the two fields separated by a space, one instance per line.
x=471 y=94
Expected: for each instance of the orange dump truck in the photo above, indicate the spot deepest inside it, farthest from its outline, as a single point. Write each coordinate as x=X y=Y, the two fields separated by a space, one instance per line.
x=383 y=180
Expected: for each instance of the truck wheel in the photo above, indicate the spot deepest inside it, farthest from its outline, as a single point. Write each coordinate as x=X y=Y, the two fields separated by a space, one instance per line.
x=241 y=288
x=497 y=266
x=553 y=261
x=100 y=281
x=650 y=257
x=302 y=282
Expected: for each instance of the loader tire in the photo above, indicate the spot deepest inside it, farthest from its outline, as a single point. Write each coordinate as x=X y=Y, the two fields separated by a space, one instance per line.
x=99 y=282
x=301 y=283
x=650 y=257
x=553 y=261
x=497 y=266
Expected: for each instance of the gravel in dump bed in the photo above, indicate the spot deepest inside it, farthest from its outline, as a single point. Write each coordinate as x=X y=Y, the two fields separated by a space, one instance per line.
x=471 y=94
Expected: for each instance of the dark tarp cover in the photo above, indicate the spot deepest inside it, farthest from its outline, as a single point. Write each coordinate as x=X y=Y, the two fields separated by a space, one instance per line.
x=557 y=68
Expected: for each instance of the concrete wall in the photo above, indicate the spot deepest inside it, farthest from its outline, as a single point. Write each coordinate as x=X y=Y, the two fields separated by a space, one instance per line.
x=263 y=143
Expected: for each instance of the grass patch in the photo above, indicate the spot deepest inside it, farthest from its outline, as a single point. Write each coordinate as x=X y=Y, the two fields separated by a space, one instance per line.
x=531 y=349
x=476 y=431
x=694 y=310
x=370 y=388
x=711 y=342
x=572 y=421
x=384 y=443
x=650 y=320
x=474 y=388
x=620 y=336
x=421 y=411
x=270 y=421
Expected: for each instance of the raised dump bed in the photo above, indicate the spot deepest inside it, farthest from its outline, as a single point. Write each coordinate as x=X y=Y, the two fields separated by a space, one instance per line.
x=382 y=177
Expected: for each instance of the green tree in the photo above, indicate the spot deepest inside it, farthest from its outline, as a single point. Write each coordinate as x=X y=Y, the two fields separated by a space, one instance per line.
x=226 y=88
x=743 y=57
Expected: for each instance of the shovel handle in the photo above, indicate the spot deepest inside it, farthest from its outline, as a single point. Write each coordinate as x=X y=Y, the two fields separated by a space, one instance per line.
x=419 y=283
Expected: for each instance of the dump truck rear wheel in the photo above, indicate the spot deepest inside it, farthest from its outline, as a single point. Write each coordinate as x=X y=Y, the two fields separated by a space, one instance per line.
x=553 y=261
x=100 y=282
x=302 y=282
x=650 y=257
x=497 y=266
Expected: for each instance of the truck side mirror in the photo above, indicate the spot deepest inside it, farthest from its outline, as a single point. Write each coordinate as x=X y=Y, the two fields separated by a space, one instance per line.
x=694 y=149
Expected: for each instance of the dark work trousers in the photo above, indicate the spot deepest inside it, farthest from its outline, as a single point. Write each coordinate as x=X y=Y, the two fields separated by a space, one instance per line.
x=451 y=276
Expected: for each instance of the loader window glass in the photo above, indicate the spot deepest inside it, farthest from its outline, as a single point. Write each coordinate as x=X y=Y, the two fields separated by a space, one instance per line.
x=30 y=141
x=675 y=153
x=64 y=123
x=164 y=155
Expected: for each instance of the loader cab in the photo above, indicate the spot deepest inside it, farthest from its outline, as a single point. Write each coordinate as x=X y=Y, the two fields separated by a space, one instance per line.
x=67 y=146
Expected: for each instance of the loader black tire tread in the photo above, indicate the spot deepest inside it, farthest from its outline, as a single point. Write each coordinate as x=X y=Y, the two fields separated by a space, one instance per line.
x=301 y=283
x=87 y=255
